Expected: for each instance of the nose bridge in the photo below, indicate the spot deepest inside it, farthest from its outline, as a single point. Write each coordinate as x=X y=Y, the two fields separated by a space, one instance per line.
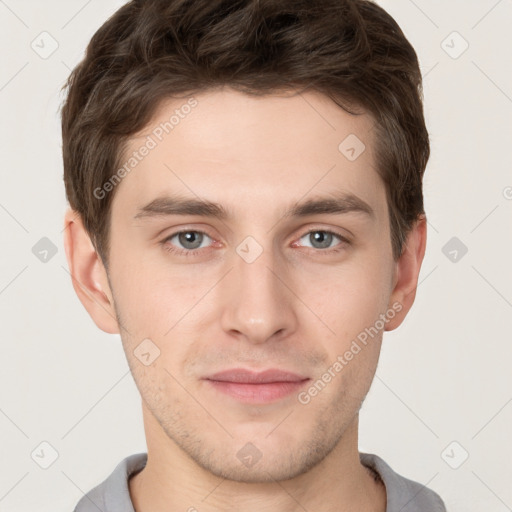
x=259 y=304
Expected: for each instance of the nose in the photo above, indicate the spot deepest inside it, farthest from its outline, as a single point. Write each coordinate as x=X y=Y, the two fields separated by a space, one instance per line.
x=258 y=304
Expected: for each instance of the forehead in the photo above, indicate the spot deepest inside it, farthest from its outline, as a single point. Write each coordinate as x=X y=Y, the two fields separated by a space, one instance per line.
x=250 y=150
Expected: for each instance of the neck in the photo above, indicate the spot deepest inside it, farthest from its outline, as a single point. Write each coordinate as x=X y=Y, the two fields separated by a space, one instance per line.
x=171 y=480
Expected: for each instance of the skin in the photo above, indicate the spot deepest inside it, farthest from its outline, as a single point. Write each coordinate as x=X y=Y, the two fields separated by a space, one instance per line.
x=296 y=307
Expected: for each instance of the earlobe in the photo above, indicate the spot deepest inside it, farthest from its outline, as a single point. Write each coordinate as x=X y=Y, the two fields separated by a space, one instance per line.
x=408 y=268
x=88 y=274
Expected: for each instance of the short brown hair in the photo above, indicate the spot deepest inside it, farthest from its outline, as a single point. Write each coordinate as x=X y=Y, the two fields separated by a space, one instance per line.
x=151 y=50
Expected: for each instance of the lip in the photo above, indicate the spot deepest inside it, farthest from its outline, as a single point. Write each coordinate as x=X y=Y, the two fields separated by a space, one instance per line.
x=260 y=387
x=245 y=376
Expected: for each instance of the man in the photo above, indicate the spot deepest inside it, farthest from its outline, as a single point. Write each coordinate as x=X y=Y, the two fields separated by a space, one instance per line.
x=246 y=211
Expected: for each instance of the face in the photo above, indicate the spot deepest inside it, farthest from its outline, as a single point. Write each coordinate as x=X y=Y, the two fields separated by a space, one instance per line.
x=289 y=267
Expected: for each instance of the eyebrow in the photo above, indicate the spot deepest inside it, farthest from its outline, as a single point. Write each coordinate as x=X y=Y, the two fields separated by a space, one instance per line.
x=178 y=205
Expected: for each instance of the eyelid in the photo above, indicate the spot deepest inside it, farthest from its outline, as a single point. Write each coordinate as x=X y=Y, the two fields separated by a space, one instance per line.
x=203 y=231
x=175 y=233
x=344 y=240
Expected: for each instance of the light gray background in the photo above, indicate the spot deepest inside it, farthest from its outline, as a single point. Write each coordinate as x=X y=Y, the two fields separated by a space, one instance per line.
x=444 y=375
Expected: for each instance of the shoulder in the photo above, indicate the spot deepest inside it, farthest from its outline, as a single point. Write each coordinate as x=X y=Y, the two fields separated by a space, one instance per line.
x=402 y=493
x=113 y=493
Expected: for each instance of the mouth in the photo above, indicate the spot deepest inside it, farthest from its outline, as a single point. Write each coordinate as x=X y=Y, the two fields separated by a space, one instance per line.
x=262 y=387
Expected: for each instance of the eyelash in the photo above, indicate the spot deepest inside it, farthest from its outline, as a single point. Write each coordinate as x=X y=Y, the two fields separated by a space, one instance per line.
x=195 y=252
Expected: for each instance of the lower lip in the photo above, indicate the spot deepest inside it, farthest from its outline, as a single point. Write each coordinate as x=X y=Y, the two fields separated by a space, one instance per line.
x=257 y=393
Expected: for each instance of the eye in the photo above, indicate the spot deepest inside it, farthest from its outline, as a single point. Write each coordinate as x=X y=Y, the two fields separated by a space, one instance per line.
x=322 y=239
x=189 y=240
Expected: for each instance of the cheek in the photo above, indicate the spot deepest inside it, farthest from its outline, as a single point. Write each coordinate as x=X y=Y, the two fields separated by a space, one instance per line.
x=158 y=299
x=348 y=298
x=153 y=298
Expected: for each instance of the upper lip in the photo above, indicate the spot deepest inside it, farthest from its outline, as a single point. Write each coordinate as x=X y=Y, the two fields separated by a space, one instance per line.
x=245 y=376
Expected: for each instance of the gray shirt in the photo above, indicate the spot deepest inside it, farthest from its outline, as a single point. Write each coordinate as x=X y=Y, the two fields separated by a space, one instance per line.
x=403 y=495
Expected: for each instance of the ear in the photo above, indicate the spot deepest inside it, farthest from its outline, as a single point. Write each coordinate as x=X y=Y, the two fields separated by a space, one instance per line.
x=88 y=274
x=407 y=271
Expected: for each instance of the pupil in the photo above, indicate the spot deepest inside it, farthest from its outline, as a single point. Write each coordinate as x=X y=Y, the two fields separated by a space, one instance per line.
x=322 y=237
x=188 y=238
